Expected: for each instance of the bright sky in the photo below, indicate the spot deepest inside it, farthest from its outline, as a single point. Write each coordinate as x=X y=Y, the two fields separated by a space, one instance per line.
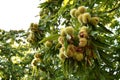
x=18 y=14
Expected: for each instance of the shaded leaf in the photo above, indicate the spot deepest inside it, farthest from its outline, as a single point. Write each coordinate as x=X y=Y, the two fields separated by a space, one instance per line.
x=102 y=28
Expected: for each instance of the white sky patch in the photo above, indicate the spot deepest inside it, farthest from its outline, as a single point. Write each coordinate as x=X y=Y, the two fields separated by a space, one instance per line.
x=18 y=14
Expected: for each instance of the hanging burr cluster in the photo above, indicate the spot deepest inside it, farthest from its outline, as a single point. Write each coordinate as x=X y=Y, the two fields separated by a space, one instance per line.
x=83 y=51
x=31 y=37
x=34 y=34
x=67 y=38
x=37 y=59
x=68 y=49
x=83 y=16
x=83 y=36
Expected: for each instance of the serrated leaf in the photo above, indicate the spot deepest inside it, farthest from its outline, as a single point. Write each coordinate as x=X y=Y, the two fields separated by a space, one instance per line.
x=57 y=46
x=65 y=44
x=103 y=29
x=104 y=59
x=98 y=55
x=45 y=4
x=99 y=44
x=102 y=77
x=71 y=65
x=93 y=33
x=65 y=2
x=51 y=38
x=65 y=68
x=80 y=69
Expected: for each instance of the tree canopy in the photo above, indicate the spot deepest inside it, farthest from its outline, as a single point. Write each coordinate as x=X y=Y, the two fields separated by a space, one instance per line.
x=74 y=40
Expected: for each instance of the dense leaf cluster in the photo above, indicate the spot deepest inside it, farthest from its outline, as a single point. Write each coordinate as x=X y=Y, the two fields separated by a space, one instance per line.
x=16 y=54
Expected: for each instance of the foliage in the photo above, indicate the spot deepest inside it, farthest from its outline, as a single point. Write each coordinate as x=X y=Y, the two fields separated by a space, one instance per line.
x=14 y=55
x=43 y=39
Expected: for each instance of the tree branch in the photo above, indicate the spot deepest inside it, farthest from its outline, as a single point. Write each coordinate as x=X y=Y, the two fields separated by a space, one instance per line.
x=113 y=9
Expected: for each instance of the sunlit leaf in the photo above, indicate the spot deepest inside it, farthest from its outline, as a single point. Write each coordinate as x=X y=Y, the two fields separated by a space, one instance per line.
x=50 y=38
x=65 y=2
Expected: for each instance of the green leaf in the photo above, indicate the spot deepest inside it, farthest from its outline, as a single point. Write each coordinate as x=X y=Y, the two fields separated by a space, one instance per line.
x=51 y=38
x=65 y=68
x=97 y=54
x=102 y=77
x=65 y=44
x=103 y=29
x=105 y=59
x=99 y=44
